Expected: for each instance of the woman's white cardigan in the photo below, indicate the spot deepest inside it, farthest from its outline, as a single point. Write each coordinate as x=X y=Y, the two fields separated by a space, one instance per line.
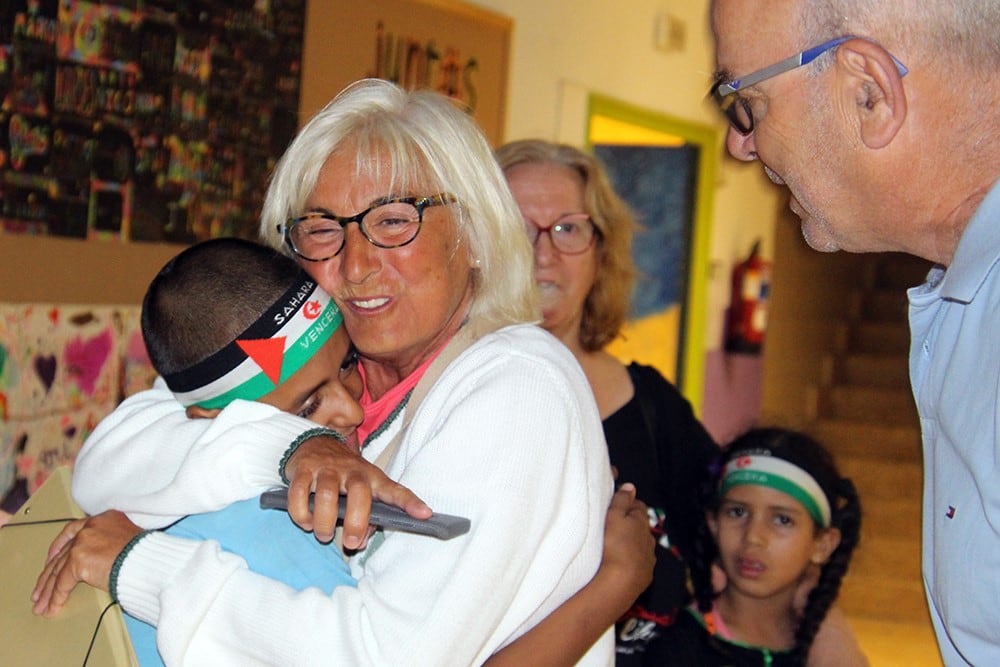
x=508 y=436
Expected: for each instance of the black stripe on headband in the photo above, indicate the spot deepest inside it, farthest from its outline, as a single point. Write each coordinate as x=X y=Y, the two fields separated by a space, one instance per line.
x=222 y=362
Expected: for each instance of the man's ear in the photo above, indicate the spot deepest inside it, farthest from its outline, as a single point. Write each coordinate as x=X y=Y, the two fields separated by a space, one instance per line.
x=874 y=88
x=195 y=412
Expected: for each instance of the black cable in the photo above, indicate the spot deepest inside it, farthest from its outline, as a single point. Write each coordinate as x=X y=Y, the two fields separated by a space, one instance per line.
x=97 y=629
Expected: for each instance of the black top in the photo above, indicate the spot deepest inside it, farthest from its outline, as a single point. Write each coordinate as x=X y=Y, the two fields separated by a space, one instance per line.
x=656 y=442
x=688 y=643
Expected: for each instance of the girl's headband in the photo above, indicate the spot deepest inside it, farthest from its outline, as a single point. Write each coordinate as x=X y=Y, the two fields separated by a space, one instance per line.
x=270 y=351
x=781 y=475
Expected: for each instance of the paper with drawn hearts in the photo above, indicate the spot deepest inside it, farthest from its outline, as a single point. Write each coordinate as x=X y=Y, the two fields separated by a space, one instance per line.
x=58 y=358
x=45 y=367
x=62 y=369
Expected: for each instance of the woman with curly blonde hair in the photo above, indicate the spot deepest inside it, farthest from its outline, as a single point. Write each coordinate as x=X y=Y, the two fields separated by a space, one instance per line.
x=581 y=230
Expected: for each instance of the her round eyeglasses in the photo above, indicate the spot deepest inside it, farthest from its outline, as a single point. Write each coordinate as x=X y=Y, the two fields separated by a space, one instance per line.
x=571 y=234
x=390 y=222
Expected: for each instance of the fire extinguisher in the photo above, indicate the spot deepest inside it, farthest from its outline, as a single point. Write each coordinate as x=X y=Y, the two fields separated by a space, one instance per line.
x=746 y=319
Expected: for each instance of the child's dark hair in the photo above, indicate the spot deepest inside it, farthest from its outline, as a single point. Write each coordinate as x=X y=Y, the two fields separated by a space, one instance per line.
x=845 y=515
x=207 y=295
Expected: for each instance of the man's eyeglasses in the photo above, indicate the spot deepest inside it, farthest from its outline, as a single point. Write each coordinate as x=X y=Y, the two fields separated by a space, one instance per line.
x=737 y=109
x=571 y=234
x=390 y=222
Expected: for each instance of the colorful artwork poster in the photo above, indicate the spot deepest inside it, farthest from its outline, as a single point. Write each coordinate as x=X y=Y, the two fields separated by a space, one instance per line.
x=659 y=183
x=144 y=120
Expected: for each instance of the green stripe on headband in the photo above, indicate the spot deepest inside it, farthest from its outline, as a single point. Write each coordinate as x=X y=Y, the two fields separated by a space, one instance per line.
x=296 y=355
x=780 y=475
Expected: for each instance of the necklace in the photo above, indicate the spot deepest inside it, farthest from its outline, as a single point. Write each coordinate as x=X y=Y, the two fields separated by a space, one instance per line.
x=380 y=429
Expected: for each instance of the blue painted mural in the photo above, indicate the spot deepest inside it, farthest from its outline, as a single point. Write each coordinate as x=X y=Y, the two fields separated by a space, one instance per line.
x=659 y=183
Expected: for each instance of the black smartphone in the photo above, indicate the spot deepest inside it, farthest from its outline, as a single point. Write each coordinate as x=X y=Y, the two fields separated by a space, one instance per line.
x=441 y=526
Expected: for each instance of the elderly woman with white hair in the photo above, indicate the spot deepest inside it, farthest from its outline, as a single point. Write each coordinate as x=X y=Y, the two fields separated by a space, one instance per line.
x=393 y=203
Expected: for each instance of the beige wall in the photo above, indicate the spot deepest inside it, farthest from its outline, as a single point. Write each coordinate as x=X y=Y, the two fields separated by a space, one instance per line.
x=50 y=269
x=40 y=268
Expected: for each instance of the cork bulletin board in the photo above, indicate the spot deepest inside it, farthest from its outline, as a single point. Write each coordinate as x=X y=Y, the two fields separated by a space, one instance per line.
x=144 y=120
x=453 y=47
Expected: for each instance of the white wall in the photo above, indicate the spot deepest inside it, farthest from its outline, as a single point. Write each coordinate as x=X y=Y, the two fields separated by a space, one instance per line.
x=565 y=49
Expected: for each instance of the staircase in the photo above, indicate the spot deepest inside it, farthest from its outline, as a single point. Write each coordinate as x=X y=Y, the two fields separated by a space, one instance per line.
x=865 y=414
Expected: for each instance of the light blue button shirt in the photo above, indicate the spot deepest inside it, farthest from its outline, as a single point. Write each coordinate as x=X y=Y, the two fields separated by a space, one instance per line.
x=955 y=372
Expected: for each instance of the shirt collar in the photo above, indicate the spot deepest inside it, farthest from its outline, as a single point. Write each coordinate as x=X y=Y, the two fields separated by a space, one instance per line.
x=978 y=250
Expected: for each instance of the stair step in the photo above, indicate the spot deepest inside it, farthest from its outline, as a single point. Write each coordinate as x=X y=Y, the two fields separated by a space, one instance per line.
x=883 y=305
x=877 y=481
x=888 y=558
x=889 y=643
x=879 y=554
x=867 y=418
x=880 y=598
x=872 y=370
x=878 y=338
x=899 y=271
x=873 y=405
x=891 y=524
x=884 y=442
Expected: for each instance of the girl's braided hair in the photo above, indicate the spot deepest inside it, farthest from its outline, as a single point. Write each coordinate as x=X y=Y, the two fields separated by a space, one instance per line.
x=845 y=507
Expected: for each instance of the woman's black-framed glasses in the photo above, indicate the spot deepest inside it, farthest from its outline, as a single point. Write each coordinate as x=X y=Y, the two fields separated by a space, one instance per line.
x=571 y=234
x=390 y=222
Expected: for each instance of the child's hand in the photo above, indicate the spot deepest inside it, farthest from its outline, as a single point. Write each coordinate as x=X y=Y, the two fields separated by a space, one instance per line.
x=328 y=468
x=629 y=556
x=84 y=551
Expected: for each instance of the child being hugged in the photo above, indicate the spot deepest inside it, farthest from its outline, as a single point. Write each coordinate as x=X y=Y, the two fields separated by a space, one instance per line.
x=777 y=510
x=229 y=320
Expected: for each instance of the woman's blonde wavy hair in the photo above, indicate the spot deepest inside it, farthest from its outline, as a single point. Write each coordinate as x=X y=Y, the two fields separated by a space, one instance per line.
x=607 y=304
x=417 y=140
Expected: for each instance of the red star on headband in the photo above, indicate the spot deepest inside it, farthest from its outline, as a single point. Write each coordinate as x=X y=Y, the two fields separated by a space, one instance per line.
x=311 y=310
x=268 y=353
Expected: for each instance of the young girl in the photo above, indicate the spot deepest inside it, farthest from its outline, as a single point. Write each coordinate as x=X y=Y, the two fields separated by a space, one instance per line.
x=777 y=511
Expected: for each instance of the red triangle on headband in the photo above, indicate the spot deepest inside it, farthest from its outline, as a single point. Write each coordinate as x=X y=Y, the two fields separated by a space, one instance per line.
x=268 y=353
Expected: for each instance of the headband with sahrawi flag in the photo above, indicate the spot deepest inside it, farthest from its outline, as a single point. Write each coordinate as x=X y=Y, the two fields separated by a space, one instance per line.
x=781 y=475
x=269 y=352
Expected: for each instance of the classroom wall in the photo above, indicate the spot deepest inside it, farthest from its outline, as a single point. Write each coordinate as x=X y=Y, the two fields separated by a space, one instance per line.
x=127 y=120
x=56 y=270
x=560 y=49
